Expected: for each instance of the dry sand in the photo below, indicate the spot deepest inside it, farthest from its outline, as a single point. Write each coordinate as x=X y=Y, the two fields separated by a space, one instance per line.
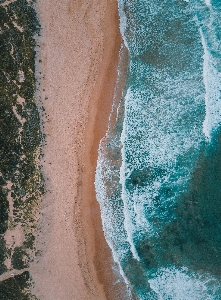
x=77 y=69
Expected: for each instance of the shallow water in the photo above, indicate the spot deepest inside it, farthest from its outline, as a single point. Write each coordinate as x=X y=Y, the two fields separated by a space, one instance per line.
x=158 y=174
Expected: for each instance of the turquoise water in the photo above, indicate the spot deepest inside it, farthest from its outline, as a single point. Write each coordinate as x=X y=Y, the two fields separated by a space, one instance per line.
x=158 y=177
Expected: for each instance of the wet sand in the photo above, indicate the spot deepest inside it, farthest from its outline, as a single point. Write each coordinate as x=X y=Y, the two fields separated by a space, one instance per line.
x=77 y=60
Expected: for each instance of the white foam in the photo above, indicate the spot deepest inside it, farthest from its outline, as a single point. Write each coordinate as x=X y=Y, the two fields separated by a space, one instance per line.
x=113 y=230
x=124 y=173
x=179 y=284
x=208 y=3
x=212 y=82
x=123 y=21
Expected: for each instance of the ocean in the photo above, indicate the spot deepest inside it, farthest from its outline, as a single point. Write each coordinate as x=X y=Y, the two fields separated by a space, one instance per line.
x=158 y=176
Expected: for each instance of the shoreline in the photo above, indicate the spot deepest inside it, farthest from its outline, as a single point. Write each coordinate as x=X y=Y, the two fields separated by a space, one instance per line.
x=100 y=112
x=77 y=71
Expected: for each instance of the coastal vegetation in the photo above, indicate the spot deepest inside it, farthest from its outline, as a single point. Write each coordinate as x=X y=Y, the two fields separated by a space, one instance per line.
x=21 y=180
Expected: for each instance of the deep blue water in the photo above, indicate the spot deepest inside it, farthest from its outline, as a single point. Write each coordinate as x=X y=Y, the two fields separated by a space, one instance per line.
x=158 y=177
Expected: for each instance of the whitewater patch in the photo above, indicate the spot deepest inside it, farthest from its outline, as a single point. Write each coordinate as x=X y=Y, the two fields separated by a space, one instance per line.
x=181 y=284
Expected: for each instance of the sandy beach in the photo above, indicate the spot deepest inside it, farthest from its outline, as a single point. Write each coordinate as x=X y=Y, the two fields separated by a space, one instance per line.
x=77 y=58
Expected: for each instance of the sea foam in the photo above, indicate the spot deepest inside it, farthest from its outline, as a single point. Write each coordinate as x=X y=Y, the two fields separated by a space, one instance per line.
x=208 y=26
